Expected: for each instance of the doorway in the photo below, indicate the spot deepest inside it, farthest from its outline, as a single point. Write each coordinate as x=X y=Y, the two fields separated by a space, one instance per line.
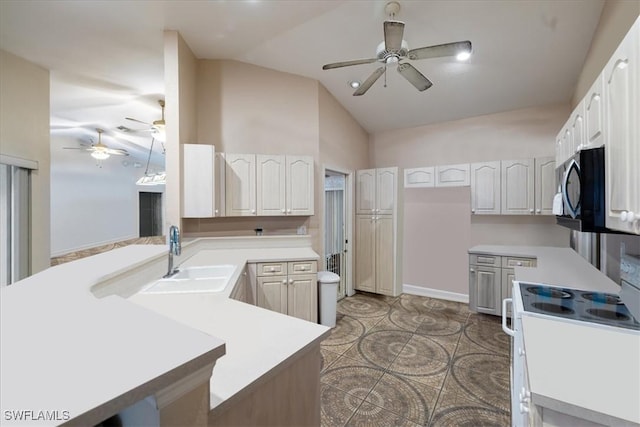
x=336 y=237
x=150 y=212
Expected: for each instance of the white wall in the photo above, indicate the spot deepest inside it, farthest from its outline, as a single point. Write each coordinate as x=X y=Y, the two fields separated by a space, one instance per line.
x=24 y=133
x=439 y=228
x=91 y=205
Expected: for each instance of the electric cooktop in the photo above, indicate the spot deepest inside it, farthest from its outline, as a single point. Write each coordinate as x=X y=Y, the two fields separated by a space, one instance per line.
x=594 y=307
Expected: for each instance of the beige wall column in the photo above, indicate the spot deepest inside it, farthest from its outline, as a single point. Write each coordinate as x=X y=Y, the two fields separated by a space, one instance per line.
x=24 y=133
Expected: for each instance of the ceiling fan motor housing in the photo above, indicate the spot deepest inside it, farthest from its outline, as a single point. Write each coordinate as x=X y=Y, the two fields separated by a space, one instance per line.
x=382 y=54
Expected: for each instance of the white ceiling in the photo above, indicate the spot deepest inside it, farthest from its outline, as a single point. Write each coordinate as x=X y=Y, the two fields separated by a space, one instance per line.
x=106 y=57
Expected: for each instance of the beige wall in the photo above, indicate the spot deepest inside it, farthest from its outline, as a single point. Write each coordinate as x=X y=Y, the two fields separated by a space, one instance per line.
x=616 y=19
x=180 y=70
x=24 y=133
x=439 y=228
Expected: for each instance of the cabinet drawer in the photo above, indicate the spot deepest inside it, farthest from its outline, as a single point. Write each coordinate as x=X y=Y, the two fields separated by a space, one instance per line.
x=303 y=267
x=492 y=260
x=272 y=269
x=510 y=262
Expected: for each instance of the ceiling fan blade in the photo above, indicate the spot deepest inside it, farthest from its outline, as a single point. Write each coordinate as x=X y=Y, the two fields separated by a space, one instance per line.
x=369 y=82
x=437 y=51
x=117 y=151
x=414 y=76
x=393 y=32
x=349 y=63
x=139 y=121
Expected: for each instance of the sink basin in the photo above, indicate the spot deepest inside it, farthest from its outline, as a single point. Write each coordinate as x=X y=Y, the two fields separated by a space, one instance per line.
x=213 y=278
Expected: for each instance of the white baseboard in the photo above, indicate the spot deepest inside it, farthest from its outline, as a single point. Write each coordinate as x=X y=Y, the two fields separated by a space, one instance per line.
x=435 y=293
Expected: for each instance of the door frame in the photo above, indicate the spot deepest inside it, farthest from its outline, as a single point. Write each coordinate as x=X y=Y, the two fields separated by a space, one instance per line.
x=348 y=215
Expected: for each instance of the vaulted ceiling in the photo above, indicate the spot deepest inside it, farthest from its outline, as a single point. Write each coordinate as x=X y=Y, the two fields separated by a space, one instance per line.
x=106 y=57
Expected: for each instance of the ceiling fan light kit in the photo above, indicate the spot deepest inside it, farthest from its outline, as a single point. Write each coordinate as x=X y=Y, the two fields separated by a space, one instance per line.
x=394 y=49
x=157 y=128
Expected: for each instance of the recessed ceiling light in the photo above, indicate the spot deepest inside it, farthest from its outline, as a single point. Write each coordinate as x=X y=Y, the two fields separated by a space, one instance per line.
x=463 y=56
x=354 y=84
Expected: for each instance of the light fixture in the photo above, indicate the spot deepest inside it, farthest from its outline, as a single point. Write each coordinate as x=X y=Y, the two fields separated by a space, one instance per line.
x=392 y=60
x=158 y=178
x=100 y=150
x=463 y=56
x=354 y=84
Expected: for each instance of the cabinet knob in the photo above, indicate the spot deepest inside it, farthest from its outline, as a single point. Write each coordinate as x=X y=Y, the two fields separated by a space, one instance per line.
x=530 y=210
x=216 y=211
x=283 y=211
x=521 y=351
x=291 y=281
x=539 y=210
x=253 y=211
x=272 y=269
x=373 y=217
x=628 y=216
x=523 y=408
x=473 y=211
x=284 y=281
x=303 y=268
x=519 y=263
x=288 y=210
x=472 y=270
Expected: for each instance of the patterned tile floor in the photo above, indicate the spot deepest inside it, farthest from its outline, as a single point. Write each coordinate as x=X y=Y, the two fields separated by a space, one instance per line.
x=414 y=361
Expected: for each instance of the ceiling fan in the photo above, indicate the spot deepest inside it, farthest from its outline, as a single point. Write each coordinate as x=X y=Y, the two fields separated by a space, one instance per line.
x=100 y=151
x=394 y=49
x=157 y=128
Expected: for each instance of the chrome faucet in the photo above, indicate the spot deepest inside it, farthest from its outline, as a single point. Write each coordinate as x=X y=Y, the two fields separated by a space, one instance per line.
x=175 y=248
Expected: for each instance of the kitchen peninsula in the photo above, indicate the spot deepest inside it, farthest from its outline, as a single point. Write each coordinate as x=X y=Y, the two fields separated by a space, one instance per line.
x=72 y=341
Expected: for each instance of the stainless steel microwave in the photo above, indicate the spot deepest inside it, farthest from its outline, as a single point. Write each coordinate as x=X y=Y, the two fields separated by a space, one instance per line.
x=581 y=180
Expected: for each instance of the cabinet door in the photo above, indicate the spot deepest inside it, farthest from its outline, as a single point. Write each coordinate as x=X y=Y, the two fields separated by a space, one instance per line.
x=545 y=185
x=272 y=293
x=452 y=175
x=240 y=180
x=578 y=141
x=302 y=296
x=270 y=182
x=300 y=188
x=384 y=260
x=508 y=276
x=623 y=134
x=366 y=191
x=365 y=253
x=517 y=187
x=386 y=187
x=485 y=188
x=485 y=290
x=419 y=177
x=198 y=182
x=594 y=114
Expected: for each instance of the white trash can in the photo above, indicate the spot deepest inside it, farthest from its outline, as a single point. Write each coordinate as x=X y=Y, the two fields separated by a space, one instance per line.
x=328 y=290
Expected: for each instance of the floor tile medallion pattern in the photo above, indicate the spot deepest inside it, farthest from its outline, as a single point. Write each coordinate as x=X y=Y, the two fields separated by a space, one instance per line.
x=414 y=361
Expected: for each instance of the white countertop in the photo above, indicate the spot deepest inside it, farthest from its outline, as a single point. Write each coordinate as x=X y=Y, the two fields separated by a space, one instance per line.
x=555 y=266
x=257 y=340
x=63 y=348
x=581 y=369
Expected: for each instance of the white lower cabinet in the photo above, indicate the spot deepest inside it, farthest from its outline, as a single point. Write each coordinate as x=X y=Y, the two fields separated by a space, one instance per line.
x=289 y=288
x=491 y=279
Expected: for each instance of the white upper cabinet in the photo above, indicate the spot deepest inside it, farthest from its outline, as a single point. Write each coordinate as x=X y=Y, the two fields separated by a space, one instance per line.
x=271 y=189
x=198 y=183
x=545 y=185
x=577 y=121
x=299 y=185
x=622 y=99
x=386 y=188
x=366 y=191
x=240 y=177
x=517 y=181
x=485 y=188
x=420 y=177
x=452 y=175
x=594 y=114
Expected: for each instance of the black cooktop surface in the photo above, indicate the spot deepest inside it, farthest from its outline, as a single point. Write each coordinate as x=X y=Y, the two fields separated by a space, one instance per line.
x=595 y=307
